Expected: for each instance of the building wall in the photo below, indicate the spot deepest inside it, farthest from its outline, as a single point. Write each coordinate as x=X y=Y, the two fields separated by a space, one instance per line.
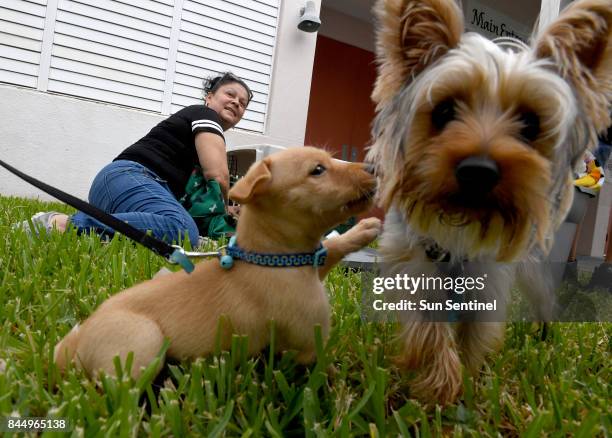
x=594 y=227
x=346 y=29
x=64 y=141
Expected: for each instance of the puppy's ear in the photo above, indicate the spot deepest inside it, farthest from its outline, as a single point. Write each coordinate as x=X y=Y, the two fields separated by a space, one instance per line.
x=580 y=44
x=252 y=183
x=411 y=35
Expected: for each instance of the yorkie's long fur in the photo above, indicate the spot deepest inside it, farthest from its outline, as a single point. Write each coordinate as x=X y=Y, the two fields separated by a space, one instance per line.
x=474 y=143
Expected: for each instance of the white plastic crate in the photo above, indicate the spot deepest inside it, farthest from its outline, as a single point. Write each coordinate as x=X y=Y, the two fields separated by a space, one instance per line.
x=240 y=158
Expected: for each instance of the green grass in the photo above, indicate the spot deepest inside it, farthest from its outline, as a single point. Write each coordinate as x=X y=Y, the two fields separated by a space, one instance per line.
x=530 y=388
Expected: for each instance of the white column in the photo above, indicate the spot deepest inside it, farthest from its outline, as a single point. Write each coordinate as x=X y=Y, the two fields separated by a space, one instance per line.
x=47 y=44
x=172 y=51
x=549 y=10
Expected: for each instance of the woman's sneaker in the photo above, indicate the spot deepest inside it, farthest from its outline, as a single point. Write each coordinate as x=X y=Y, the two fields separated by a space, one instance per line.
x=40 y=221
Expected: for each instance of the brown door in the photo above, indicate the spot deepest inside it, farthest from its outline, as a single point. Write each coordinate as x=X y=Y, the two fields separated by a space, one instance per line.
x=340 y=112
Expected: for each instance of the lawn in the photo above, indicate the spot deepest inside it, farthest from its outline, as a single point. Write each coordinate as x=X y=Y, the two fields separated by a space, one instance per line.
x=532 y=388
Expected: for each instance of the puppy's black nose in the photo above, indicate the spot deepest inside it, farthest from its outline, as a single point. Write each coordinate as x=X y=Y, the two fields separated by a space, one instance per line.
x=477 y=175
x=370 y=168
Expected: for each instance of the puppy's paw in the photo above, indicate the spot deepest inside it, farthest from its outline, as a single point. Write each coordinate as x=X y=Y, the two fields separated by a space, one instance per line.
x=370 y=223
x=364 y=232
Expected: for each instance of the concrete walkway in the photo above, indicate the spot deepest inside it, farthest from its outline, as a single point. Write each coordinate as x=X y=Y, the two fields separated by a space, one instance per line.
x=364 y=259
x=588 y=264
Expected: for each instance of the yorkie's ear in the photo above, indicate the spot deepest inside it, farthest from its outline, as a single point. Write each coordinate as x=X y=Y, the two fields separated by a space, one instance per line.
x=580 y=44
x=252 y=183
x=412 y=35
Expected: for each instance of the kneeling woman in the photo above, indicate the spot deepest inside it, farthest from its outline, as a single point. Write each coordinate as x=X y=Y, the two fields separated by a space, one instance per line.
x=143 y=184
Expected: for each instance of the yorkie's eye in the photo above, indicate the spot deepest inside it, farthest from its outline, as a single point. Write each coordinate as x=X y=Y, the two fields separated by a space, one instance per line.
x=443 y=113
x=531 y=125
x=319 y=170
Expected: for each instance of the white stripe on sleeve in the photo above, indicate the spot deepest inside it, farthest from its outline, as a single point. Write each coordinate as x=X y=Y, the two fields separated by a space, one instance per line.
x=206 y=124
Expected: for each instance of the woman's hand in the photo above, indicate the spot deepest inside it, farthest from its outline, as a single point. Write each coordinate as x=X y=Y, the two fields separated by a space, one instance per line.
x=234 y=211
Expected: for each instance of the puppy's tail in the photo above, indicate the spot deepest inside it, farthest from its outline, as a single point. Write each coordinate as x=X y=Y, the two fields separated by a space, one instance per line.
x=66 y=348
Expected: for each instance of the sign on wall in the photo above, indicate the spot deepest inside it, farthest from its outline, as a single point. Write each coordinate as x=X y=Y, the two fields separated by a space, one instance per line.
x=491 y=23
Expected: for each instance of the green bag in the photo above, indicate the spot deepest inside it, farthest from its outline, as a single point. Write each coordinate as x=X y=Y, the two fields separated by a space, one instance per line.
x=204 y=202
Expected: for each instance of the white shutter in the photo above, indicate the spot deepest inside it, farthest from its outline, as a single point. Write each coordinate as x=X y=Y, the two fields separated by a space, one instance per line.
x=112 y=51
x=147 y=54
x=21 y=31
x=222 y=35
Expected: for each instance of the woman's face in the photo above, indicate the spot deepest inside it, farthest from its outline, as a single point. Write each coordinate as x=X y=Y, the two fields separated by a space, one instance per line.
x=229 y=101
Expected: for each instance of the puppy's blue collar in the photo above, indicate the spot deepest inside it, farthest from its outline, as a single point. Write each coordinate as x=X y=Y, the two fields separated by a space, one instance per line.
x=233 y=251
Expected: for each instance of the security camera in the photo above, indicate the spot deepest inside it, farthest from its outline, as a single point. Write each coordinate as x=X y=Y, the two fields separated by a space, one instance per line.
x=309 y=19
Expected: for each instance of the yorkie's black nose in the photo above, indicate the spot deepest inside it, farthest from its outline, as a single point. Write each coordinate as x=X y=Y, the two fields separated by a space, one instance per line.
x=477 y=175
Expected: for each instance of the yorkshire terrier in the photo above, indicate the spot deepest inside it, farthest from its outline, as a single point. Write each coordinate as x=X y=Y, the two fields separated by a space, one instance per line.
x=474 y=142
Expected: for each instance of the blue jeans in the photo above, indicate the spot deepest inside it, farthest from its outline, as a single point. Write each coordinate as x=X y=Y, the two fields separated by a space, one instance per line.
x=134 y=194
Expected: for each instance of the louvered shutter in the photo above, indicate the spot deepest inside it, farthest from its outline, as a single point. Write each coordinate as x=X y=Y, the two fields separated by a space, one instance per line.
x=146 y=54
x=21 y=33
x=222 y=35
x=112 y=51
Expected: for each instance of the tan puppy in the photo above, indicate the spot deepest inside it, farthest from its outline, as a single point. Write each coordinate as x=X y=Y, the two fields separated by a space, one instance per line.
x=288 y=201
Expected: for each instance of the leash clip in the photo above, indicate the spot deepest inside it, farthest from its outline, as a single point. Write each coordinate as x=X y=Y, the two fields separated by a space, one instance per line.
x=227 y=261
x=180 y=257
x=319 y=257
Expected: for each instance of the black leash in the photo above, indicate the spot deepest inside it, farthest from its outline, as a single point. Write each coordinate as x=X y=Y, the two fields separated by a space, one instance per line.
x=174 y=254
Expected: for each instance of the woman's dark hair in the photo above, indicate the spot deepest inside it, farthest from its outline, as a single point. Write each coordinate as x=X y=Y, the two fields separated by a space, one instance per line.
x=212 y=84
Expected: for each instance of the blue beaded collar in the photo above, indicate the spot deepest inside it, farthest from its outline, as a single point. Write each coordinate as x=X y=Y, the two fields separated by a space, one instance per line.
x=233 y=251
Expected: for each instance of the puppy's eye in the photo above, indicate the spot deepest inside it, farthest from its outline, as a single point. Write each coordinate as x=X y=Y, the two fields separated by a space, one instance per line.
x=319 y=170
x=443 y=113
x=531 y=125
